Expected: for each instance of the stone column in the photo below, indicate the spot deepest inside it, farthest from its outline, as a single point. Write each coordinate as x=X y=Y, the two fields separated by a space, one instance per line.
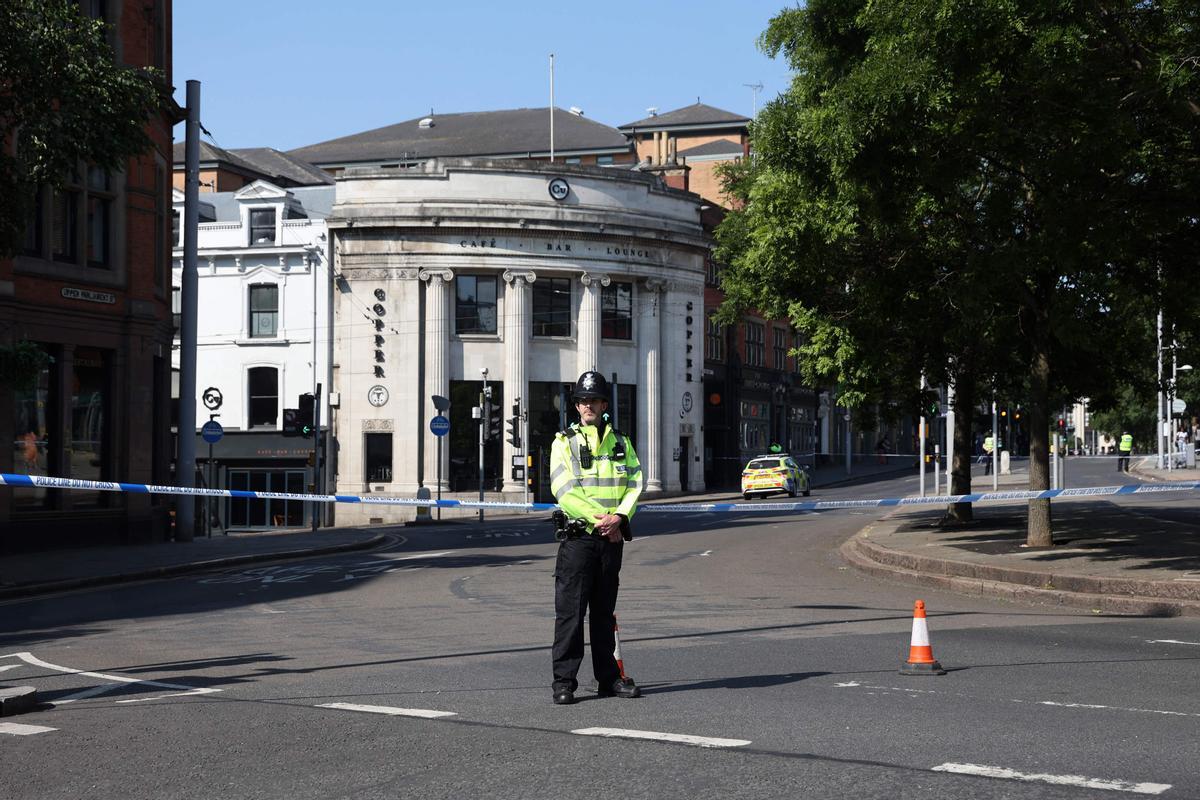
x=588 y=352
x=516 y=363
x=650 y=383
x=437 y=369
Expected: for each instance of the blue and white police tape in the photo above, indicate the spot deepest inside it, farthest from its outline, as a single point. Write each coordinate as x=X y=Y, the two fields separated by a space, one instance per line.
x=41 y=481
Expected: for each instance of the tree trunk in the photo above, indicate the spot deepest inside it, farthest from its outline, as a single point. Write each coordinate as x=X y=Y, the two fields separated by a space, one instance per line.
x=964 y=445
x=1039 y=532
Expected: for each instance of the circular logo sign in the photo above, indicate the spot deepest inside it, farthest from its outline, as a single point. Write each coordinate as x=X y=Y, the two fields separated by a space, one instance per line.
x=1178 y=406
x=559 y=189
x=377 y=395
x=687 y=401
x=439 y=425
x=212 y=431
x=212 y=398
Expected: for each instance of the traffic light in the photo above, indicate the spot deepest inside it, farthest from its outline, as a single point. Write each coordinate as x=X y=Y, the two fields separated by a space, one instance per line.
x=514 y=427
x=291 y=422
x=1062 y=425
x=305 y=418
x=491 y=420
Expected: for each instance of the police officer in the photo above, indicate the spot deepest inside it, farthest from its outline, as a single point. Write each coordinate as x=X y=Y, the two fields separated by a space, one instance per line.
x=989 y=447
x=596 y=478
x=1125 y=446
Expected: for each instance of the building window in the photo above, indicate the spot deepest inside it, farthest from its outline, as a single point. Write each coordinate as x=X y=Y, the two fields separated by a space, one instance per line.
x=475 y=304
x=712 y=273
x=176 y=307
x=264 y=311
x=262 y=227
x=36 y=431
x=755 y=347
x=257 y=512
x=603 y=161
x=616 y=311
x=89 y=399
x=780 y=349
x=796 y=357
x=264 y=397
x=552 y=307
x=176 y=230
x=572 y=160
x=378 y=450
x=78 y=218
x=714 y=337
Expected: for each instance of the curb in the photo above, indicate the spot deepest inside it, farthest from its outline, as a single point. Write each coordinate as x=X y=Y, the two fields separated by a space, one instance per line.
x=1100 y=595
x=171 y=570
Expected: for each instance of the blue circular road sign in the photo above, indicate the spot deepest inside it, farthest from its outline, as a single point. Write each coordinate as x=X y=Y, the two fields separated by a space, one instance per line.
x=439 y=425
x=212 y=431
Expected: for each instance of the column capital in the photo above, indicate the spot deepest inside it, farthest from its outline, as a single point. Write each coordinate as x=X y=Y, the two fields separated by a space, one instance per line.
x=587 y=278
x=445 y=274
x=657 y=284
x=512 y=276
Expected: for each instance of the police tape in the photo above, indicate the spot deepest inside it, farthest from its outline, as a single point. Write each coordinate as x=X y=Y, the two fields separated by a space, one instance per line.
x=46 y=482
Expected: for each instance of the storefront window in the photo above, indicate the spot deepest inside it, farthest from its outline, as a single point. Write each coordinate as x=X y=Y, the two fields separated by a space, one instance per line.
x=89 y=401
x=616 y=311
x=378 y=450
x=36 y=436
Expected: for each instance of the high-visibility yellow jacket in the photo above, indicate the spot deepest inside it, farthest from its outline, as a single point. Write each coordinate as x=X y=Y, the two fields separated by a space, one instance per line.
x=989 y=444
x=1126 y=445
x=608 y=485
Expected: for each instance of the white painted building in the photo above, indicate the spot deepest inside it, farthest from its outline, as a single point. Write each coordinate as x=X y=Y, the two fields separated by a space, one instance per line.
x=535 y=272
x=264 y=337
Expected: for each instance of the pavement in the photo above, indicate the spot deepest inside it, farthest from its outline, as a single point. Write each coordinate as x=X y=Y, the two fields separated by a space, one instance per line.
x=1106 y=557
x=1110 y=559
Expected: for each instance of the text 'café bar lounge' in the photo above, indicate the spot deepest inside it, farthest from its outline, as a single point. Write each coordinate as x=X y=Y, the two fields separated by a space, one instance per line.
x=535 y=272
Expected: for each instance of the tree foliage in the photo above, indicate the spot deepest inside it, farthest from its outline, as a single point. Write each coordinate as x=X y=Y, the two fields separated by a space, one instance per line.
x=64 y=100
x=994 y=191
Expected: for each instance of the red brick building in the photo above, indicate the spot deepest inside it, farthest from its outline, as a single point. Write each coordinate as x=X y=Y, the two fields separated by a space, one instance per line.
x=92 y=288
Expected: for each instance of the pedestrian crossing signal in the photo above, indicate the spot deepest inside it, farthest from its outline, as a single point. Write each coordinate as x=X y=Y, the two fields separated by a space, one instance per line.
x=291 y=422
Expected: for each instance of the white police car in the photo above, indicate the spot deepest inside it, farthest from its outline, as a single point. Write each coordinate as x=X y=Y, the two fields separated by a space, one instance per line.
x=774 y=474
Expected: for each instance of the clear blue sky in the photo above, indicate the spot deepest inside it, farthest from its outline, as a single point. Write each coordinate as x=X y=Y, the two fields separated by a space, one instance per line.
x=288 y=73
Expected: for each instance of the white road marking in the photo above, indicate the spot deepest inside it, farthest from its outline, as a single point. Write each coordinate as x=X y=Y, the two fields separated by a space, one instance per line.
x=678 y=738
x=706 y=553
x=9 y=666
x=1118 y=708
x=872 y=689
x=424 y=713
x=1171 y=641
x=16 y=729
x=29 y=658
x=1061 y=780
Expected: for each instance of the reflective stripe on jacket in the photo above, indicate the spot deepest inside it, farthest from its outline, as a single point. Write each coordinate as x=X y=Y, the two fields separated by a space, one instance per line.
x=608 y=486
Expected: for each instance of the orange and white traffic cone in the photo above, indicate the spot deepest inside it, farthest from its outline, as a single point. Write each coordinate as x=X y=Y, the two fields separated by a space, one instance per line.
x=920 y=652
x=617 y=649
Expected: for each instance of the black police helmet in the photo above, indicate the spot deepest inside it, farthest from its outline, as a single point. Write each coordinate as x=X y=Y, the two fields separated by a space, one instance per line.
x=590 y=385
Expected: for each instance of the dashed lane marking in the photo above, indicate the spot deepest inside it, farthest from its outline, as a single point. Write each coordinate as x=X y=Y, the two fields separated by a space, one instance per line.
x=1171 y=641
x=16 y=729
x=876 y=689
x=424 y=713
x=185 y=691
x=676 y=738
x=1061 y=780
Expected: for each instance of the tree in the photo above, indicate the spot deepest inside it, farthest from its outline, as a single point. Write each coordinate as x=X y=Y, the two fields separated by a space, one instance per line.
x=63 y=101
x=1008 y=172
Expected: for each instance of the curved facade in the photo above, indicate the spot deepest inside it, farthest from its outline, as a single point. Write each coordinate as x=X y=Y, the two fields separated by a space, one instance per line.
x=533 y=272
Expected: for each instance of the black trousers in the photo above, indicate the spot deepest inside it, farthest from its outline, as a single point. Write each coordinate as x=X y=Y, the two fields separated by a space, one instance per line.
x=586 y=578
